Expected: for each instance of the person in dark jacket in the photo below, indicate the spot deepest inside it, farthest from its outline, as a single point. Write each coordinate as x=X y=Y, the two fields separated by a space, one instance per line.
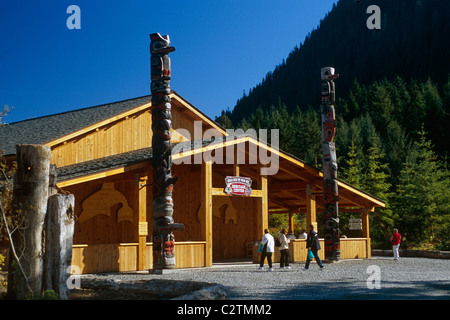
x=312 y=244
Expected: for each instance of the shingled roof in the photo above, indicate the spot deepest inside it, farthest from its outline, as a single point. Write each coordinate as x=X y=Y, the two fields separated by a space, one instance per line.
x=102 y=164
x=43 y=129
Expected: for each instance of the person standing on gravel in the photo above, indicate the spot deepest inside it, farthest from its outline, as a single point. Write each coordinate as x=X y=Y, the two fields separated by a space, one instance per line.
x=395 y=240
x=313 y=245
x=268 y=248
x=284 y=249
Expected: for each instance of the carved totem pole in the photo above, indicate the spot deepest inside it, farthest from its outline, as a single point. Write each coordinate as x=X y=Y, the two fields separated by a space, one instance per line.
x=330 y=185
x=162 y=206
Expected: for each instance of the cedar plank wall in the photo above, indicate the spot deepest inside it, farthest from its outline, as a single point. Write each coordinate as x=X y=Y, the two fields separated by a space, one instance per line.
x=102 y=229
x=126 y=134
x=186 y=201
x=229 y=239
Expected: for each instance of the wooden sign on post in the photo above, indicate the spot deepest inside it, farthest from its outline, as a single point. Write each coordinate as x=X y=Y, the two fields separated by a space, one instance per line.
x=355 y=224
x=238 y=186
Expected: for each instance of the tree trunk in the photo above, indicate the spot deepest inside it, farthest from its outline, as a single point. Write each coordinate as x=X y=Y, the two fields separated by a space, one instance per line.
x=30 y=205
x=58 y=243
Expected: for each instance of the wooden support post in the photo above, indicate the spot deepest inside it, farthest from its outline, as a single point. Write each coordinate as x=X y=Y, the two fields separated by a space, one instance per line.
x=236 y=170
x=291 y=222
x=310 y=207
x=142 y=221
x=366 y=231
x=262 y=218
x=206 y=206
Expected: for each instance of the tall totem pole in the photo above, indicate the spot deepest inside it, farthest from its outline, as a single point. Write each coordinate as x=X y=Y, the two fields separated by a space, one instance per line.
x=330 y=185
x=162 y=206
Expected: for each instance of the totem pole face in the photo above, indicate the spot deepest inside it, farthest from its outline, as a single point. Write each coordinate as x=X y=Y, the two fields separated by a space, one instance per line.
x=330 y=186
x=162 y=206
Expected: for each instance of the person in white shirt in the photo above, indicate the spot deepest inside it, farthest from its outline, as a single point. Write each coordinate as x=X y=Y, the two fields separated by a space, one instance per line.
x=303 y=235
x=268 y=248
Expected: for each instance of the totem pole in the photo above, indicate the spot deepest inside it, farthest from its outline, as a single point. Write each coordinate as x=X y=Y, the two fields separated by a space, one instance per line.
x=330 y=185
x=162 y=206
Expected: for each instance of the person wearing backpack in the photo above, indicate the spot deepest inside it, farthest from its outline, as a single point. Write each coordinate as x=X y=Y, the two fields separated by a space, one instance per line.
x=284 y=250
x=313 y=245
x=268 y=248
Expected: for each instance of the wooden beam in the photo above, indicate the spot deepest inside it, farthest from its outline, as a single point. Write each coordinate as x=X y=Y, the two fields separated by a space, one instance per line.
x=366 y=231
x=341 y=209
x=236 y=170
x=360 y=194
x=291 y=222
x=221 y=192
x=103 y=174
x=141 y=190
x=287 y=186
x=279 y=203
x=206 y=207
x=262 y=215
x=311 y=207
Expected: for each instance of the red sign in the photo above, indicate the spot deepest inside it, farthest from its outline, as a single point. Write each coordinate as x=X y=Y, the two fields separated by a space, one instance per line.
x=238 y=186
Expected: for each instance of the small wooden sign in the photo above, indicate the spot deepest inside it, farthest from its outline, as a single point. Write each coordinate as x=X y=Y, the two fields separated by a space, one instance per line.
x=238 y=186
x=143 y=228
x=355 y=224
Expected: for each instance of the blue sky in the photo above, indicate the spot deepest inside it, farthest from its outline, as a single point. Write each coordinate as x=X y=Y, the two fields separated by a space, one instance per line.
x=223 y=47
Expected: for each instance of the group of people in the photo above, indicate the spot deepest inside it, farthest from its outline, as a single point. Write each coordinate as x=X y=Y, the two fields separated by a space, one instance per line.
x=267 y=248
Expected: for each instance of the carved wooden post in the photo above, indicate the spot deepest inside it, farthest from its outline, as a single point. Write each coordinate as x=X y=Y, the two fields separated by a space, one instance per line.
x=330 y=185
x=162 y=206
x=58 y=243
x=30 y=204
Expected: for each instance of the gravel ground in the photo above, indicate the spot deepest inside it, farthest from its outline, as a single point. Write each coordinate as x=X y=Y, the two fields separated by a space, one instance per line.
x=408 y=278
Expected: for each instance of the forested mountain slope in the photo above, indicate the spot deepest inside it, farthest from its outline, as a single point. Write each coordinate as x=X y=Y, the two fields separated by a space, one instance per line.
x=392 y=107
x=412 y=43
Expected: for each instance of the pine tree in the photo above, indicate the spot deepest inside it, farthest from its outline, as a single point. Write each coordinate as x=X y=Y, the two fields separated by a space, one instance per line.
x=375 y=182
x=353 y=172
x=423 y=199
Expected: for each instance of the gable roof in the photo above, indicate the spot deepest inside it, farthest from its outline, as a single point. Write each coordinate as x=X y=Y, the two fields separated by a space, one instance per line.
x=60 y=127
x=54 y=129
x=44 y=129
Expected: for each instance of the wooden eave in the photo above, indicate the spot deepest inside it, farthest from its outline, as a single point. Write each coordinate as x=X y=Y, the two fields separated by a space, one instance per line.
x=287 y=189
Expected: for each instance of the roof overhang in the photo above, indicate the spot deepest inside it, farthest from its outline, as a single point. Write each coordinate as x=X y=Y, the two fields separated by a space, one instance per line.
x=287 y=186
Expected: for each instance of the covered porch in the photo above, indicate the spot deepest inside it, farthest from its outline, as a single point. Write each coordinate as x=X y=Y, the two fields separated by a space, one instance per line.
x=116 y=235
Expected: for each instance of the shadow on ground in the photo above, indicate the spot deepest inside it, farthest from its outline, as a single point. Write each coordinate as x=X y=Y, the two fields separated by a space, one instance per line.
x=351 y=290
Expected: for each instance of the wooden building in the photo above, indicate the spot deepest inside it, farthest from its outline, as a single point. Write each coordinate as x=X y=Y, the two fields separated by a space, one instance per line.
x=103 y=155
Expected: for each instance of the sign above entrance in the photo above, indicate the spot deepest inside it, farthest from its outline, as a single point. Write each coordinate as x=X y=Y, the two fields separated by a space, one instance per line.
x=238 y=186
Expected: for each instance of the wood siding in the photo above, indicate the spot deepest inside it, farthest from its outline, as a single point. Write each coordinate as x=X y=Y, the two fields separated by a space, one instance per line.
x=122 y=257
x=124 y=135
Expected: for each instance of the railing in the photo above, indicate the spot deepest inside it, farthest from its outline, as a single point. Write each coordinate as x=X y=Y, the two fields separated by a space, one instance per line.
x=351 y=248
x=123 y=257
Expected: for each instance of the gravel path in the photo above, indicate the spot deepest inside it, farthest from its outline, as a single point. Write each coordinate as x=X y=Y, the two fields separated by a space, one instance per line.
x=408 y=278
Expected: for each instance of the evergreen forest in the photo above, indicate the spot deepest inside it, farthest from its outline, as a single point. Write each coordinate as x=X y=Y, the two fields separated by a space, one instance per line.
x=392 y=112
